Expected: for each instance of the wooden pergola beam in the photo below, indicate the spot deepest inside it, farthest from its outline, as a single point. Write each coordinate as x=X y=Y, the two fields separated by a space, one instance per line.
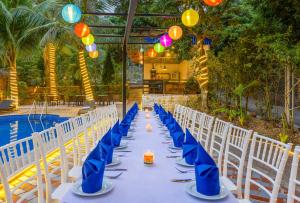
x=130 y=17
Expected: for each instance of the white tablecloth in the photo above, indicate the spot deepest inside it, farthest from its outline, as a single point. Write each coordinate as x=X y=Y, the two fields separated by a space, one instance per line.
x=142 y=183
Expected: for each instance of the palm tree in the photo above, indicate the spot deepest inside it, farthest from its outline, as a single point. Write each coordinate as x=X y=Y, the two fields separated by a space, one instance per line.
x=20 y=26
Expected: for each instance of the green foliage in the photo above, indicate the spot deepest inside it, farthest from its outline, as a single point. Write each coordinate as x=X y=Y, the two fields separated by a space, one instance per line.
x=283 y=136
x=191 y=86
x=108 y=70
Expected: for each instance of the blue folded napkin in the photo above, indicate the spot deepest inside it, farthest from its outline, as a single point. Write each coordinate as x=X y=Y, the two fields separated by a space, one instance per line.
x=124 y=127
x=178 y=135
x=92 y=175
x=107 y=147
x=116 y=135
x=206 y=173
x=189 y=148
x=168 y=119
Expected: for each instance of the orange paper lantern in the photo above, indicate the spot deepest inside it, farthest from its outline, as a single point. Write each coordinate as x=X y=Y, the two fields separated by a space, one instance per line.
x=175 y=32
x=94 y=54
x=152 y=53
x=212 y=2
x=81 y=30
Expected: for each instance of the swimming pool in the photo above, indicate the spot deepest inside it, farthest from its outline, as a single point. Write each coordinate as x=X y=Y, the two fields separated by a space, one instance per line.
x=16 y=127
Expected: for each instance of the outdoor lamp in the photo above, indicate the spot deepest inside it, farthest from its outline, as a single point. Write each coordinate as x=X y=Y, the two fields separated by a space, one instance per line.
x=175 y=32
x=165 y=40
x=81 y=30
x=91 y=47
x=212 y=2
x=71 y=13
x=93 y=54
x=159 y=48
x=190 y=18
x=88 y=40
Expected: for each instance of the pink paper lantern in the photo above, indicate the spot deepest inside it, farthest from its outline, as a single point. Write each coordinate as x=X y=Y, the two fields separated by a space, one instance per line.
x=165 y=40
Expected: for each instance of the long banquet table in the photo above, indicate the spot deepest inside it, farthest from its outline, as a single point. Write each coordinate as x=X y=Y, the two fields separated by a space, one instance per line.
x=142 y=183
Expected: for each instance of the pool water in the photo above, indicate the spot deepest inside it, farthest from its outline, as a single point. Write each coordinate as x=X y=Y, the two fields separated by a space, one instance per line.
x=16 y=127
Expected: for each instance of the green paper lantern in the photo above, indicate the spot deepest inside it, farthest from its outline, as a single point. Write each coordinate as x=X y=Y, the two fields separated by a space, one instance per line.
x=159 y=48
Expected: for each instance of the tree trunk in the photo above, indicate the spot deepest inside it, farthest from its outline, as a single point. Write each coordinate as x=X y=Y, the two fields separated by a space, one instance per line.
x=50 y=64
x=85 y=78
x=13 y=83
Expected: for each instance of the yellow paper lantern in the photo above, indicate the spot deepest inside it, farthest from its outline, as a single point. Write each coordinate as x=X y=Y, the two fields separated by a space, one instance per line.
x=175 y=32
x=88 y=40
x=190 y=18
x=94 y=54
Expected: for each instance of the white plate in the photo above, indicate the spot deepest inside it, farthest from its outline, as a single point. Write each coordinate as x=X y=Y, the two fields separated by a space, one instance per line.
x=127 y=137
x=106 y=188
x=192 y=190
x=122 y=146
x=115 y=161
x=182 y=162
x=171 y=146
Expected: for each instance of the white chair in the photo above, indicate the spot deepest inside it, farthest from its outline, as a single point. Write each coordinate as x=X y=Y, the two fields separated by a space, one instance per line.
x=218 y=140
x=15 y=158
x=197 y=124
x=186 y=118
x=267 y=159
x=203 y=134
x=54 y=159
x=294 y=182
x=190 y=121
x=235 y=153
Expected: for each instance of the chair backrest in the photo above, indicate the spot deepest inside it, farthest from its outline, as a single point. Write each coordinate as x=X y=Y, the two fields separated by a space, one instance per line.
x=294 y=182
x=187 y=118
x=235 y=153
x=15 y=158
x=182 y=115
x=191 y=119
x=197 y=124
x=205 y=129
x=267 y=159
x=218 y=140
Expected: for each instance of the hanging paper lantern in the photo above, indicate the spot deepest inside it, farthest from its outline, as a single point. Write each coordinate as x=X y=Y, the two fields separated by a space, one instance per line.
x=88 y=40
x=165 y=40
x=94 y=54
x=212 y=2
x=175 y=32
x=91 y=47
x=71 y=13
x=190 y=18
x=152 y=53
x=81 y=30
x=159 y=48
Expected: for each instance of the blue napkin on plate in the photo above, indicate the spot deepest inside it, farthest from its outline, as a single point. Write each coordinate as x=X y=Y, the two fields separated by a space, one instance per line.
x=206 y=173
x=178 y=135
x=189 y=148
x=169 y=119
x=92 y=175
x=116 y=135
x=107 y=147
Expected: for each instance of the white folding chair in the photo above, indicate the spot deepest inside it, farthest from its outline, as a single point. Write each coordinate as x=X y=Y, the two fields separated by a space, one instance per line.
x=190 y=121
x=197 y=124
x=205 y=128
x=186 y=118
x=294 y=182
x=54 y=160
x=235 y=154
x=267 y=159
x=15 y=158
x=218 y=140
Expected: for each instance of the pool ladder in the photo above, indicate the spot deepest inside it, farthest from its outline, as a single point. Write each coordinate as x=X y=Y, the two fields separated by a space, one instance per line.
x=33 y=106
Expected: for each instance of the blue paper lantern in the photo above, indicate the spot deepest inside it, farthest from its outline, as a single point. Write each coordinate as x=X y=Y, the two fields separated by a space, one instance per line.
x=71 y=13
x=91 y=47
x=207 y=41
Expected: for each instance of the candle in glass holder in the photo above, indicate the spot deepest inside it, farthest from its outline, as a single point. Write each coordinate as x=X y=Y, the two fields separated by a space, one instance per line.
x=149 y=127
x=147 y=115
x=148 y=157
x=146 y=110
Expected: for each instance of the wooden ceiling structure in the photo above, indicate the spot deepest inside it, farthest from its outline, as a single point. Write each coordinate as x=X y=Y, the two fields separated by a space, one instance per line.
x=132 y=35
